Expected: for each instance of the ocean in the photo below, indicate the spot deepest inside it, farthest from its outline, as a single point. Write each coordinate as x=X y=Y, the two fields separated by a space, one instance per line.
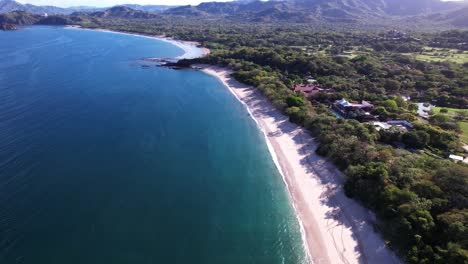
x=105 y=161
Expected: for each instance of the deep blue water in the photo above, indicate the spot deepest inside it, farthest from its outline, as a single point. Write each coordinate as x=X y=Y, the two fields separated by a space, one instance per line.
x=103 y=161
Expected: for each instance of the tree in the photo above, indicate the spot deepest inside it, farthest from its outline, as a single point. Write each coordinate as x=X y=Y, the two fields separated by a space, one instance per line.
x=416 y=139
x=455 y=223
x=392 y=85
x=453 y=180
x=294 y=100
x=401 y=102
x=426 y=189
x=296 y=114
x=365 y=182
x=381 y=112
x=391 y=105
x=413 y=107
x=448 y=73
x=439 y=119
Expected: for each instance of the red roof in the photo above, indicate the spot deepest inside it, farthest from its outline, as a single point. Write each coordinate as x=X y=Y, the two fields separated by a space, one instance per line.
x=305 y=88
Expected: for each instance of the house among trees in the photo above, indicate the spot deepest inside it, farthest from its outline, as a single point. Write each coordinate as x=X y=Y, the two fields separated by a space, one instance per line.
x=311 y=80
x=345 y=106
x=356 y=111
x=381 y=126
x=308 y=90
x=401 y=125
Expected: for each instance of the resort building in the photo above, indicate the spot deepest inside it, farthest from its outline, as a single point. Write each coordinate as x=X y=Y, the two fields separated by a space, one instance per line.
x=401 y=125
x=381 y=126
x=354 y=110
x=308 y=90
x=345 y=106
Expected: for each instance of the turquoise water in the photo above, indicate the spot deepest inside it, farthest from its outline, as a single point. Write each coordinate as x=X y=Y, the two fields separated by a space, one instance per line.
x=103 y=161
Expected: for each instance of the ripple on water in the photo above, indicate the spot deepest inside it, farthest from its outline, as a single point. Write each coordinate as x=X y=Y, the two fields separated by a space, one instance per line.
x=105 y=162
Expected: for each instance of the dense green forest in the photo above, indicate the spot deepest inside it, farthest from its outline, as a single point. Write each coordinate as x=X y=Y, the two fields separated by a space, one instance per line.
x=419 y=196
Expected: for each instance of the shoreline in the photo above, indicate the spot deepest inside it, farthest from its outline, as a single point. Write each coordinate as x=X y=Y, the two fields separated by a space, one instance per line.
x=192 y=49
x=334 y=228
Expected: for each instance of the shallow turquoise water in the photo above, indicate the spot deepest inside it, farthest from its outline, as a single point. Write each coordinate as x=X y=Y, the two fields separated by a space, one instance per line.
x=103 y=161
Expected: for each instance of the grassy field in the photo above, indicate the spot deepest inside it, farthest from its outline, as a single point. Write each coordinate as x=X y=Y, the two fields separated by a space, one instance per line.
x=324 y=50
x=451 y=111
x=438 y=54
x=464 y=135
x=463 y=124
x=356 y=51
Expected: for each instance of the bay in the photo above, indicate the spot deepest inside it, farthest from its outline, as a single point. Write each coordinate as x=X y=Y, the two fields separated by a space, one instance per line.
x=104 y=161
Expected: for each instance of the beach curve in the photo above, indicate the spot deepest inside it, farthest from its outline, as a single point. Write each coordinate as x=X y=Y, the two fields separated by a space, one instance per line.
x=335 y=229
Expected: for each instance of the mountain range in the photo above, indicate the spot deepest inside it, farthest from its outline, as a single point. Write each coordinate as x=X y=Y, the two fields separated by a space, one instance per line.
x=119 y=12
x=7 y=6
x=295 y=11
x=311 y=10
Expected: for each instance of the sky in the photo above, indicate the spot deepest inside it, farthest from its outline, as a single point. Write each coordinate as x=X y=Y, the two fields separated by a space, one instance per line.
x=106 y=3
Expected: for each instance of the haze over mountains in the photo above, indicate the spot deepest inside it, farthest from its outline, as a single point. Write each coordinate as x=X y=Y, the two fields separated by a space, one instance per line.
x=7 y=6
x=295 y=11
x=310 y=10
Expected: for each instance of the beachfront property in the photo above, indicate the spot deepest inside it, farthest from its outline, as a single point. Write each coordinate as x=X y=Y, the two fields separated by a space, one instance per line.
x=351 y=110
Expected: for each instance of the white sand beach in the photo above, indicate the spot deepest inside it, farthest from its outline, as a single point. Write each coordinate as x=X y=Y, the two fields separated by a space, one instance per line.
x=335 y=228
x=191 y=49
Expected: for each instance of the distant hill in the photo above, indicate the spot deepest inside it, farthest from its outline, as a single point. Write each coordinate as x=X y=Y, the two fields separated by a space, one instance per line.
x=311 y=10
x=7 y=6
x=19 y=18
x=150 y=8
x=423 y=12
x=458 y=18
x=25 y=18
x=414 y=7
x=122 y=12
